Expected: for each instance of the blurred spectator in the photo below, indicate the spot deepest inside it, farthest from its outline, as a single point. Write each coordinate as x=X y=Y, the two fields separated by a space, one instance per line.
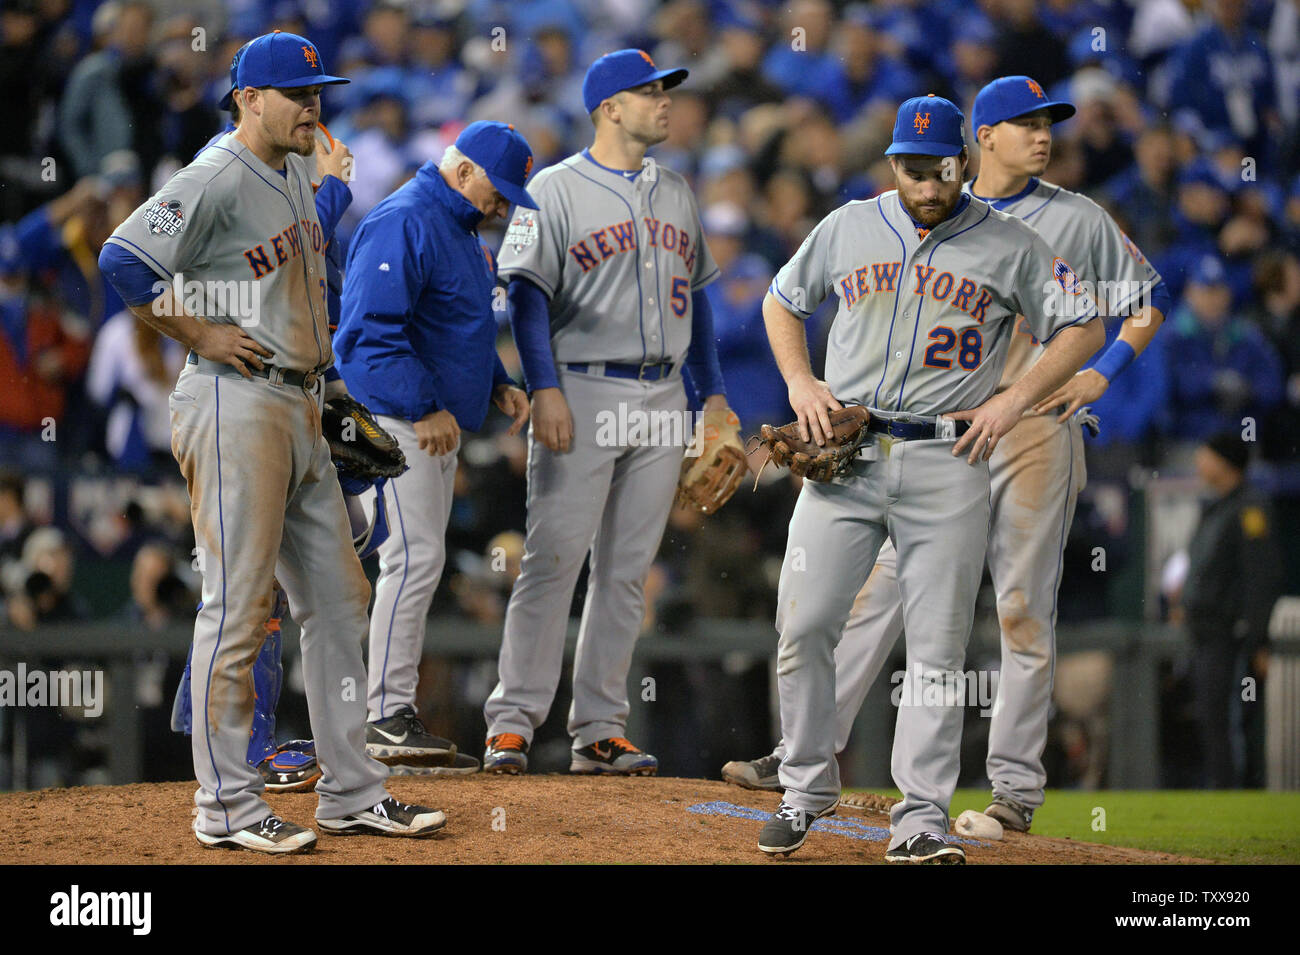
x=159 y=597
x=1224 y=76
x=1226 y=611
x=742 y=84
x=799 y=60
x=755 y=389
x=60 y=242
x=1204 y=201
x=867 y=73
x=43 y=348
x=441 y=89
x=46 y=596
x=1095 y=128
x=1025 y=46
x=109 y=103
x=1222 y=369
x=482 y=588
x=1277 y=314
x=15 y=526
x=132 y=371
x=1145 y=191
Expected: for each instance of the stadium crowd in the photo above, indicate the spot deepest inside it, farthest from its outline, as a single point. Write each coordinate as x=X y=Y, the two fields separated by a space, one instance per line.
x=1187 y=132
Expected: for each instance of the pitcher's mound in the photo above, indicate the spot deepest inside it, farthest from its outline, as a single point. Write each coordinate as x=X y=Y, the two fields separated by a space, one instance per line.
x=524 y=819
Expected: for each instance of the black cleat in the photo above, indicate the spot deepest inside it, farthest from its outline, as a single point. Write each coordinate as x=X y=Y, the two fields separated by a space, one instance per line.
x=401 y=738
x=928 y=848
x=788 y=828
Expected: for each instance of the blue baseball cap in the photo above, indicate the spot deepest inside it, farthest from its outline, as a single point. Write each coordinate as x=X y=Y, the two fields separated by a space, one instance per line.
x=227 y=101
x=1011 y=96
x=622 y=70
x=928 y=126
x=1208 y=270
x=504 y=155
x=282 y=60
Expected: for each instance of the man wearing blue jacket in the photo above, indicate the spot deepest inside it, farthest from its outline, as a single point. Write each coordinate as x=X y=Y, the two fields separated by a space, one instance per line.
x=417 y=345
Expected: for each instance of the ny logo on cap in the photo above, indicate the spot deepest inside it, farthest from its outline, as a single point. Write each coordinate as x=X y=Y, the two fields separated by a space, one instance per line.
x=309 y=53
x=646 y=56
x=1035 y=89
x=921 y=122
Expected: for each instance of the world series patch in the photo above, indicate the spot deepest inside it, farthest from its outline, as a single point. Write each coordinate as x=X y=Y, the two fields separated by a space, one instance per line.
x=522 y=231
x=165 y=217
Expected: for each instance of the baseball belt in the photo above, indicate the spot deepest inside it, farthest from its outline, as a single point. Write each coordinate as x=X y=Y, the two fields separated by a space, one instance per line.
x=923 y=429
x=272 y=373
x=643 y=371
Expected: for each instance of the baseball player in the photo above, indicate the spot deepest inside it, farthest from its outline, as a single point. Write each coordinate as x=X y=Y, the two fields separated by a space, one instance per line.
x=292 y=766
x=239 y=224
x=606 y=284
x=1037 y=470
x=931 y=282
x=417 y=344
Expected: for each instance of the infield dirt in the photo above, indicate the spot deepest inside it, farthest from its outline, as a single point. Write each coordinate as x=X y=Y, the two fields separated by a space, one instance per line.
x=494 y=819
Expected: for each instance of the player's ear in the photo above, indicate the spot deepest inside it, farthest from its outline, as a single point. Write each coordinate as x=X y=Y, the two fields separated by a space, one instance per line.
x=984 y=136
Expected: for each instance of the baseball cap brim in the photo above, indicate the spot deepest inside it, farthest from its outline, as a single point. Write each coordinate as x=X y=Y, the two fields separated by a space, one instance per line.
x=1057 y=109
x=311 y=79
x=516 y=194
x=227 y=101
x=671 y=78
x=923 y=149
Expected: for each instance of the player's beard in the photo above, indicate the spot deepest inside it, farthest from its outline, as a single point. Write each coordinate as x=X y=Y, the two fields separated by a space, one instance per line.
x=930 y=216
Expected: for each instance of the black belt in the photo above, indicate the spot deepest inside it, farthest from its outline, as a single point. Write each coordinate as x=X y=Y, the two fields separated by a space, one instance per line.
x=911 y=430
x=272 y=373
x=645 y=371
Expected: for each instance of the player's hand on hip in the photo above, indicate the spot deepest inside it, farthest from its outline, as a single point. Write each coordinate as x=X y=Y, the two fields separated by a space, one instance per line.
x=437 y=432
x=230 y=345
x=552 y=420
x=513 y=402
x=988 y=423
x=811 y=400
x=336 y=162
x=1082 y=389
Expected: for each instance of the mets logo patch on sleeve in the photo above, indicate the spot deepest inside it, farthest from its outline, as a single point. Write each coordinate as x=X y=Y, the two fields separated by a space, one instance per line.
x=1065 y=276
x=165 y=217
x=522 y=231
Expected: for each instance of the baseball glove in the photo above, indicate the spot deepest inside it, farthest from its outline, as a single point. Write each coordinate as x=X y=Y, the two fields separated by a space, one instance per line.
x=785 y=448
x=359 y=446
x=714 y=464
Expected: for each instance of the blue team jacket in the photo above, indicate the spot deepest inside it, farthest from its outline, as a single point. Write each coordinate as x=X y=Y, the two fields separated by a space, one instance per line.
x=417 y=333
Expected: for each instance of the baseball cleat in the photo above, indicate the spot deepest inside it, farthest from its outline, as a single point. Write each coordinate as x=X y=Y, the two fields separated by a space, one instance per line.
x=754 y=774
x=506 y=753
x=272 y=835
x=462 y=765
x=402 y=737
x=928 y=848
x=613 y=756
x=1010 y=813
x=289 y=770
x=388 y=818
x=788 y=828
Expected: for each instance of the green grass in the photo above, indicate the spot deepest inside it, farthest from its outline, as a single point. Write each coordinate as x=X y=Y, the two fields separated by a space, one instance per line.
x=1236 y=826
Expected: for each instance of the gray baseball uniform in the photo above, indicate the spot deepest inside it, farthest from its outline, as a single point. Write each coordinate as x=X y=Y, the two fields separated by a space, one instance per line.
x=263 y=494
x=1037 y=472
x=619 y=258
x=924 y=325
